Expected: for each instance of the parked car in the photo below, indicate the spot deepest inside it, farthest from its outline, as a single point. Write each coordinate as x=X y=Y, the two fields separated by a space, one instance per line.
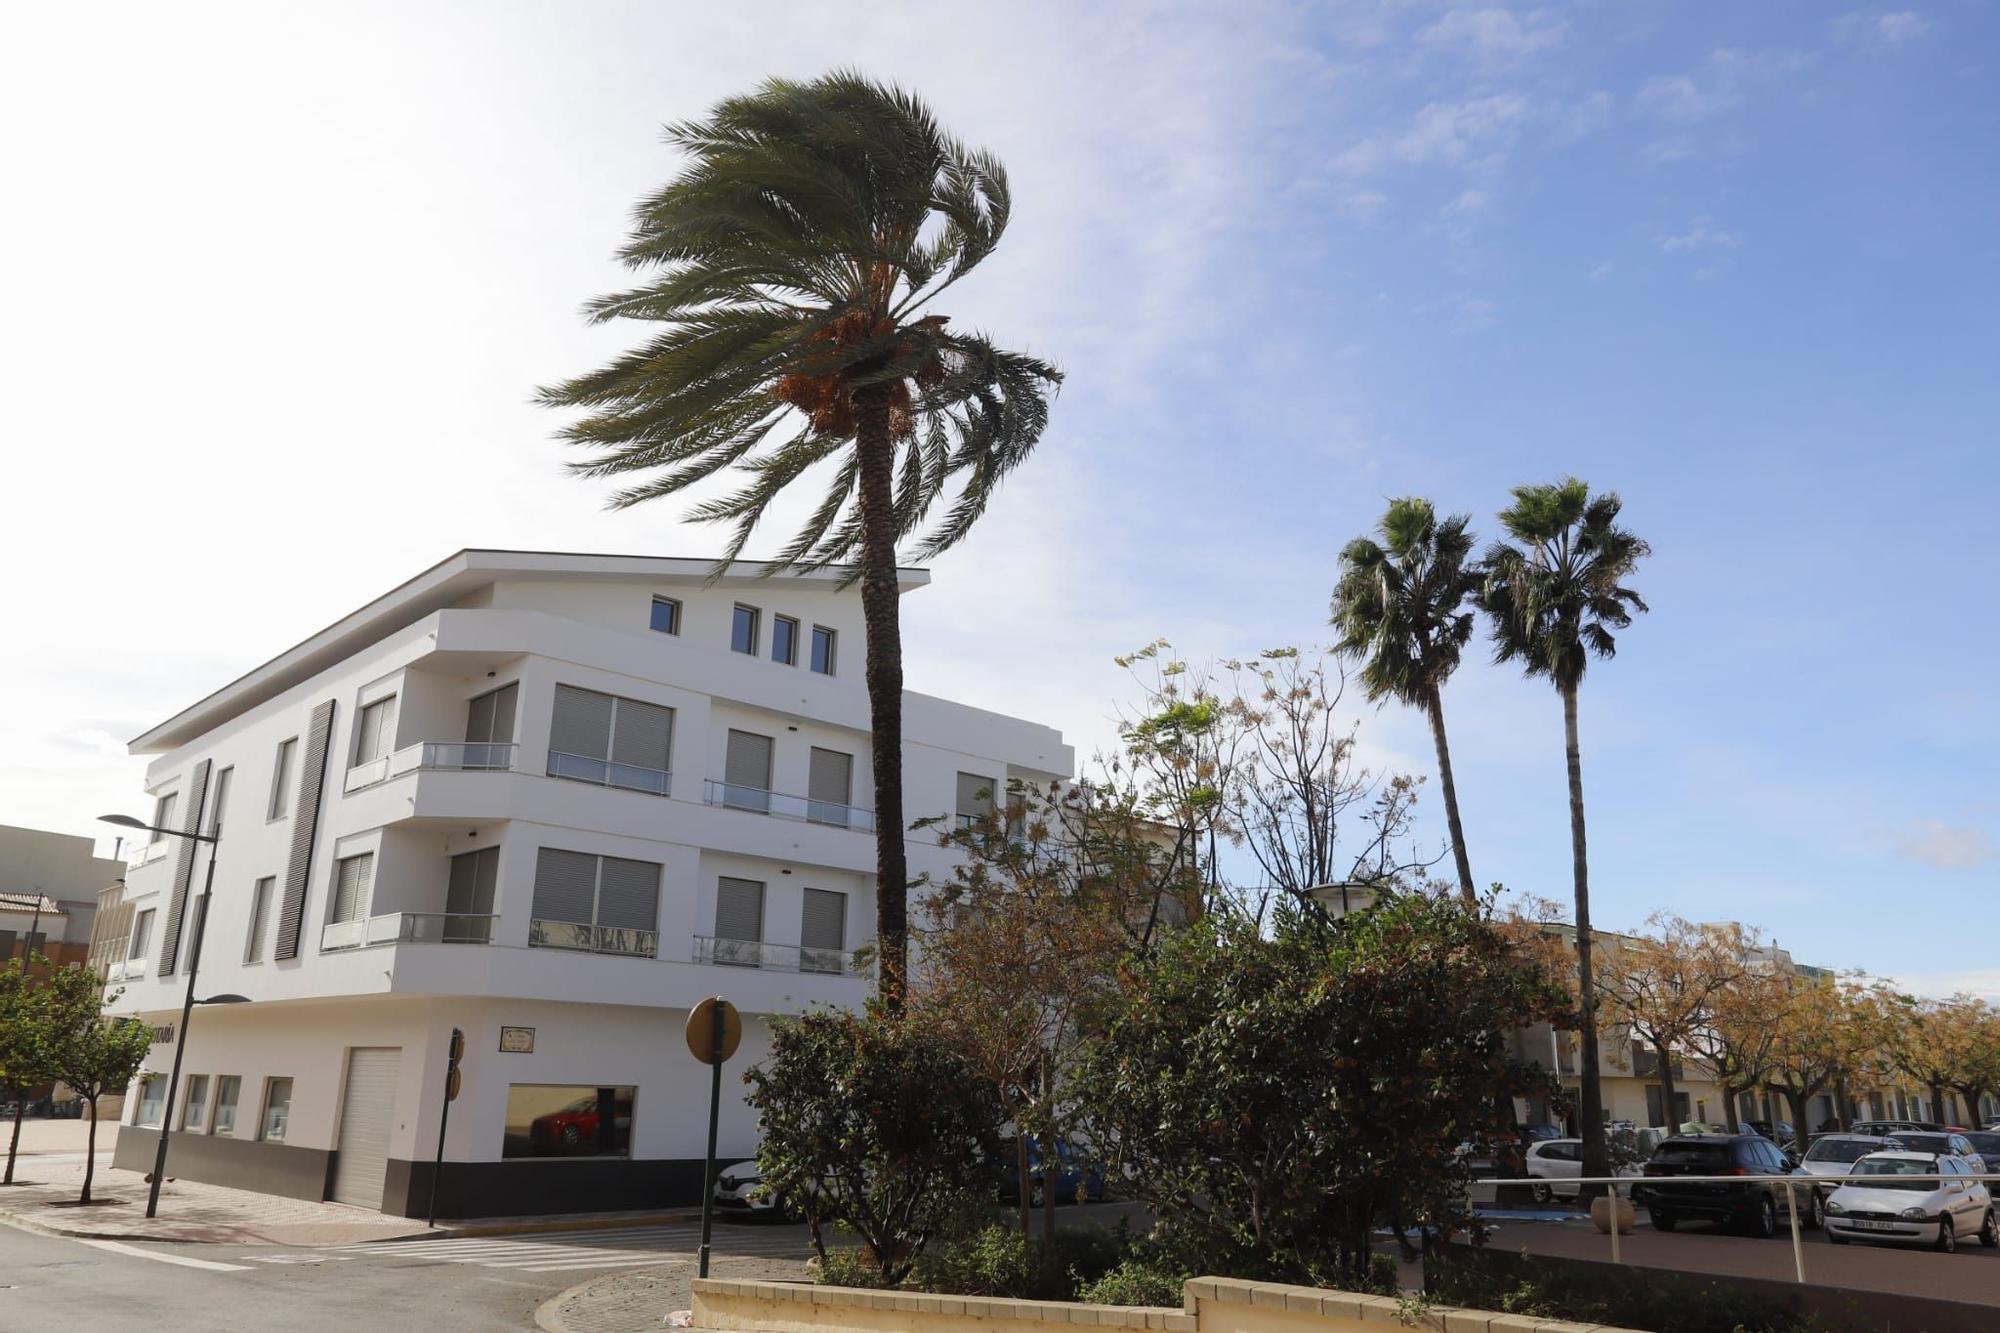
x=1075 y=1177
x=1887 y=1127
x=1879 y=1202
x=576 y=1128
x=1753 y=1205
x=740 y=1189
x=1986 y=1142
x=1777 y=1131
x=1833 y=1155
x=1555 y=1165
x=1943 y=1143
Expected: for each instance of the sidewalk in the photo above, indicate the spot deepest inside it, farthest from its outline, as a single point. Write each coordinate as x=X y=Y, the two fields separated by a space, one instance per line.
x=639 y=1300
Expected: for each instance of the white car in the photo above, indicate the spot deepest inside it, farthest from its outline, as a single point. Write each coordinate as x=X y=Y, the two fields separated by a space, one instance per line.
x=1834 y=1155
x=740 y=1189
x=1555 y=1165
x=1879 y=1202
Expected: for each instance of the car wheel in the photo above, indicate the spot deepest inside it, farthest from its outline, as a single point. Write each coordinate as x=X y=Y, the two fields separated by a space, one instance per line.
x=1835 y=1236
x=1989 y=1231
x=1540 y=1193
x=1764 y=1222
x=571 y=1136
x=1947 y=1241
x=1810 y=1219
x=1662 y=1219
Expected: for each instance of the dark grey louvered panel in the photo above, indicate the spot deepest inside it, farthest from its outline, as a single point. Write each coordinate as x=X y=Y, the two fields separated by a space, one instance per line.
x=628 y=894
x=739 y=909
x=565 y=885
x=194 y=812
x=831 y=778
x=305 y=829
x=582 y=723
x=642 y=735
x=747 y=762
x=976 y=794
x=824 y=923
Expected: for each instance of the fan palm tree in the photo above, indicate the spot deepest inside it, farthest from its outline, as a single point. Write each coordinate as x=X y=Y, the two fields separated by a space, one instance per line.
x=1401 y=609
x=1554 y=600
x=790 y=269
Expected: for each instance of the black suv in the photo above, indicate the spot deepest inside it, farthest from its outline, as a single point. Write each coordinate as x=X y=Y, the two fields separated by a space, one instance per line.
x=1753 y=1205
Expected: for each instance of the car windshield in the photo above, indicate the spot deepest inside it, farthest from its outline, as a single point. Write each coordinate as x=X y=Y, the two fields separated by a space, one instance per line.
x=1886 y=1169
x=1692 y=1154
x=1925 y=1142
x=1841 y=1150
x=1986 y=1145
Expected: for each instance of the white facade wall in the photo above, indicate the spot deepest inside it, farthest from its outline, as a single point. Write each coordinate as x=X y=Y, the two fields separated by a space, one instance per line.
x=482 y=621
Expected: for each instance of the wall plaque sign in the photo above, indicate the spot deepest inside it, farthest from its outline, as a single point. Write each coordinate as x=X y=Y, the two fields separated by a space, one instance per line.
x=517 y=1041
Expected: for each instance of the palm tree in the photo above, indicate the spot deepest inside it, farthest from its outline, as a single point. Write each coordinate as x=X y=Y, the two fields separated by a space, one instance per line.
x=1400 y=609
x=1554 y=601
x=790 y=268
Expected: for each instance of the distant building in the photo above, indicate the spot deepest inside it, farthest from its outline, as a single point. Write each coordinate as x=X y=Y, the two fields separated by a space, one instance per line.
x=49 y=884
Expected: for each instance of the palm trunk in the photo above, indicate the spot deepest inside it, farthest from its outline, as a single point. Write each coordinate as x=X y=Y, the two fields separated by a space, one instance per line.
x=1667 y=1103
x=882 y=614
x=1595 y=1161
x=1465 y=888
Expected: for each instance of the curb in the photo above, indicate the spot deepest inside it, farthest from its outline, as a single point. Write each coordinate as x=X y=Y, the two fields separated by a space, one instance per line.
x=516 y=1226
x=546 y=1317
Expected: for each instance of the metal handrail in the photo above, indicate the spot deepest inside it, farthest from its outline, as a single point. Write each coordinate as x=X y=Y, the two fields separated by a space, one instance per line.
x=834 y=814
x=587 y=937
x=605 y=773
x=725 y=952
x=407 y=928
x=451 y=756
x=148 y=852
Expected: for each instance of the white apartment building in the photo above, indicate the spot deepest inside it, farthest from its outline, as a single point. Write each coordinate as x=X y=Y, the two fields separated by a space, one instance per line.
x=553 y=800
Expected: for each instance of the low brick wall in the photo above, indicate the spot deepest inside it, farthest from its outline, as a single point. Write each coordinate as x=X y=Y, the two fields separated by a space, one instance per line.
x=1211 y=1305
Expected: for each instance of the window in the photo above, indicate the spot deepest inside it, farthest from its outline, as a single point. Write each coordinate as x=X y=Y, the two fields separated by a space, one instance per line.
x=260 y=918
x=227 y=1089
x=164 y=810
x=218 y=801
x=739 y=921
x=829 y=787
x=605 y=739
x=822 y=650
x=605 y=904
x=152 y=1097
x=468 y=897
x=375 y=730
x=281 y=779
x=666 y=615
x=557 y=1120
x=489 y=728
x=746 y=771
x=743 y=630
x=975 y=798
x=142 y=934
x=823 y=931
x=195 y=1109
x=277 y=1110
x=353 y=878
x=785 y=640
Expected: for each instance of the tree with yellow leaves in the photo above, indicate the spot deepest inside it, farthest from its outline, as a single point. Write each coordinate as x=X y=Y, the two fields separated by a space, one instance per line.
x=1662 y=986
x=1823 y=1027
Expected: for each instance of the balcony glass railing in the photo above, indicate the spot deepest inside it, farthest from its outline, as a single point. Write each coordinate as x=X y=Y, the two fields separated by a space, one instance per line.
x=148 y=852
x=771 y=957
x=583 y=937
x=784 y=806
x=407 y=928
x=126 y=969
x=605 y=773
x=454 y=756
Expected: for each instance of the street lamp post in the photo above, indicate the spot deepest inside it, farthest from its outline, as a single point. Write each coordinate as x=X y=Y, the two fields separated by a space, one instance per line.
x=187 y=1004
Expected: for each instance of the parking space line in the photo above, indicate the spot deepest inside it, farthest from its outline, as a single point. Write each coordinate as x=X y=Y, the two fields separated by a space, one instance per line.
x=159 y=1257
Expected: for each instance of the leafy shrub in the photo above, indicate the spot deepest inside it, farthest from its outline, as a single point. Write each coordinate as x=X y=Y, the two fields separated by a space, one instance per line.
x=875 y=1125
x=997 y=1260
x=1140 y=1280
x=845 y=1267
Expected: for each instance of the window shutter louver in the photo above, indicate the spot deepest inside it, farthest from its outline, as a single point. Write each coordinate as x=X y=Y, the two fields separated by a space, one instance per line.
x=582 y=723
x=353 y=878
x=975 y=794
x=628 y=894
x=565 y=886
x=739 y=909
x=749 y=761
x=824 y=925
x=170 y=939
x=643 y=735
x=831 y=778
x=305 y=829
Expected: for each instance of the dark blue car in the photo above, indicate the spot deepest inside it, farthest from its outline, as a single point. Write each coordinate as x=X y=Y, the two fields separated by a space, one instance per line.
x=1074 y=1175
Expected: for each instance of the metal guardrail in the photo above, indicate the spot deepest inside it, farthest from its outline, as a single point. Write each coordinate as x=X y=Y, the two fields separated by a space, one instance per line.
x=584 y=937
x=734 y=796
x=148 y=852
x=771 y=957
x=605 y=773
x=451 y=756
x=1790 y=1183
x=407 y=928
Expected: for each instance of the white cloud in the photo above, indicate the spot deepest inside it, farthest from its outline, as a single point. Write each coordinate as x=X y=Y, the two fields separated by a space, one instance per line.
x=1946 y=846
x=1703 y=235
x=1449 y=133
x=1602 y=270
x=1362 y=205
x=1903 y=25
x=1583 y=117
x=1688 y=99
x=1494 y=34
x=1981 y=982
x=1475 y=314
x=1468 y=203
x=1660 y=152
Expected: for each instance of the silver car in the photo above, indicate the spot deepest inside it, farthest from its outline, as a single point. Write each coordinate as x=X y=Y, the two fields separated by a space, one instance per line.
x=1834 y=1155
x=1884 y=1199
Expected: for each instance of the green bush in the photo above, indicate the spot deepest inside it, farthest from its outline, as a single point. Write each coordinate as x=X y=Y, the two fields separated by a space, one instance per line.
x=1140 y=1280
x=997 y=1260
x=846 y=1267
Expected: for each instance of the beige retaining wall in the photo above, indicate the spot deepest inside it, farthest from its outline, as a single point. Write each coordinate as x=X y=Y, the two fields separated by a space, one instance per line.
x=1212 y=1305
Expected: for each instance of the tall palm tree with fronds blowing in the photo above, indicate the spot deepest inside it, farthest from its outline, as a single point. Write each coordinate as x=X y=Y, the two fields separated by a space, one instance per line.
x=1554 y=600
x=1401 y=607
x=791 y=268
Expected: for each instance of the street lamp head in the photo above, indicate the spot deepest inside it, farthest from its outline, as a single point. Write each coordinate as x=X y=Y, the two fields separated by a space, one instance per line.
x=122 y=821
x=225 y=999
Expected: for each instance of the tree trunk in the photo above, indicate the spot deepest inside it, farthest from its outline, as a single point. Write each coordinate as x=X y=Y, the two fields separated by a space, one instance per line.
x=14 y=1143
x=1729 y=1120
x=1937 y=1102
x=90 y=1151
x=1668 y=1105
x=882 y=614
x=1797 y=1101
x=1591 y=1112
x=1021 y=1173
x=1051 y=1156
x=1465 y=887
x=1840 y=1116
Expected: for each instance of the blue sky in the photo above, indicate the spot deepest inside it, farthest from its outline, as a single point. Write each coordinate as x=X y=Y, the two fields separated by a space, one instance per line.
x=296 y=271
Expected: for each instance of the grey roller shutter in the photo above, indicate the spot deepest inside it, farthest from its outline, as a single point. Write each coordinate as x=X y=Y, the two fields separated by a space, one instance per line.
x=739 y=909
x=473 y=878
x=975 y=795
x=582 y=723
x=170 y=939
x=565 y=885
x=643 y=735
x=353 y=880
x=830 y=786
x=628 y=894
x=305 y=829
x=375 y=730
x=746 y=771
x=823 y=931
x=367 y=1114
x=489 y=719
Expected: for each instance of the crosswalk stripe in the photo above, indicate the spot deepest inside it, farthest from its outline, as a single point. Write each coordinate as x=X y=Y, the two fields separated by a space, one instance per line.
x=614 y=1247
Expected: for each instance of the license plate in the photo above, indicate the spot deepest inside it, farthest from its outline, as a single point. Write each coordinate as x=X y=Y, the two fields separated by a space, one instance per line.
x=1874 y=1226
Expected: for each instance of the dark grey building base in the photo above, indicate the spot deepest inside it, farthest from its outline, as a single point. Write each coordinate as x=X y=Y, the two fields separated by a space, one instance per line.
x=244 y=1164
x=527 y=1187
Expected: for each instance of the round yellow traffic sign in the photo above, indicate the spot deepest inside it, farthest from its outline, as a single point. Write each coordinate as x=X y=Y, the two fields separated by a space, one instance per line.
x=701 y=1031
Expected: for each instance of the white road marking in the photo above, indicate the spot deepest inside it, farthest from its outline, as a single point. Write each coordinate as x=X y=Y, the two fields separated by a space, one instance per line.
x=556 y=1252
x=159 y=1257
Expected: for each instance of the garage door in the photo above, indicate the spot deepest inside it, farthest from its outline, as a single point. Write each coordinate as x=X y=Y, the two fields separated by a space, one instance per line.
x=367 y=1110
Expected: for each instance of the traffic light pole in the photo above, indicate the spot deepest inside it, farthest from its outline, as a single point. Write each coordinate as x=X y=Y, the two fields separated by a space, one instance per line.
x=454 y=1052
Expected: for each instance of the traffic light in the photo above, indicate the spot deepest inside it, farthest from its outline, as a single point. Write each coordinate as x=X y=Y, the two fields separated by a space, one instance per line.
x=455 y=1054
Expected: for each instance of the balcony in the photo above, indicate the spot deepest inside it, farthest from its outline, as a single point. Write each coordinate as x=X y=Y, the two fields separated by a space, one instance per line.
x=448 y=756
x=605 y=773
x=147 y=853
x=583 y=937
x=126 y=969
x=734 y=797
x=406 y=928
x=771 y=957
